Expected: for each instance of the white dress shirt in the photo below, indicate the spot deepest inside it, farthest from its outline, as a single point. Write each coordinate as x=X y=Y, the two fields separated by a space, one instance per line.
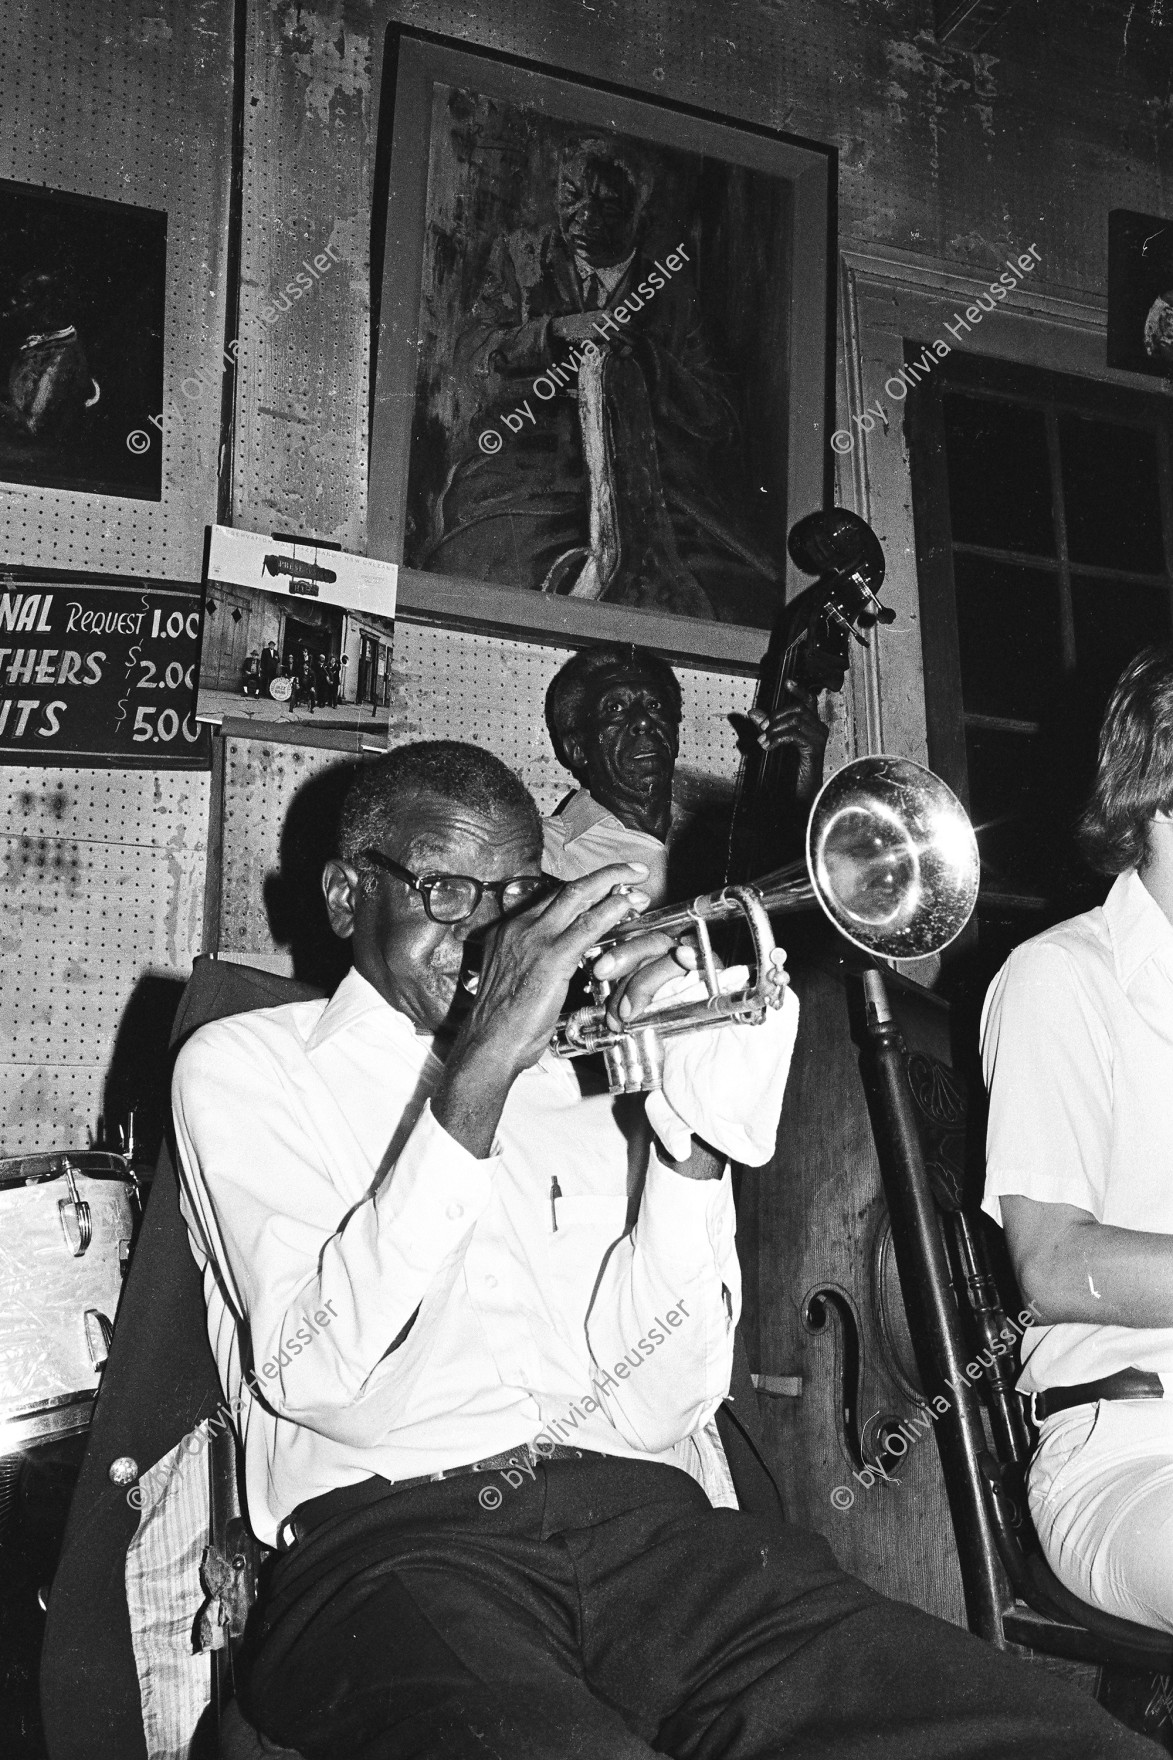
x=331 y=1214
x=1077 y=1049
x=582 y=836
x=608 y=278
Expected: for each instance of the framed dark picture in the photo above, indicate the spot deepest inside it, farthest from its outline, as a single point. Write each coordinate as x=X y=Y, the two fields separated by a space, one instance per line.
x=602 y=373
x=1140 y=293
x=82 y=288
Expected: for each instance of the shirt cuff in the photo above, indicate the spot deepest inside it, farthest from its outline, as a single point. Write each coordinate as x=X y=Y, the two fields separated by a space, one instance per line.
x=1066 y=1188
x=685 y=1224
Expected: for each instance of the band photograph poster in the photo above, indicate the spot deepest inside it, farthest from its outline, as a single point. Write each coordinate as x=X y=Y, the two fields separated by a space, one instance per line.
x=601 y=379
x=296 y=633
x=82 y=291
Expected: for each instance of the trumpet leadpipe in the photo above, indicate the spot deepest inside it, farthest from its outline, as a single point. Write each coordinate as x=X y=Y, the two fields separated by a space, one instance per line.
x=787 y=888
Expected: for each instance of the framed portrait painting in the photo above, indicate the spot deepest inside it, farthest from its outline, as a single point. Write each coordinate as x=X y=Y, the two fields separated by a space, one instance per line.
x=602 y=373
x=82 y=291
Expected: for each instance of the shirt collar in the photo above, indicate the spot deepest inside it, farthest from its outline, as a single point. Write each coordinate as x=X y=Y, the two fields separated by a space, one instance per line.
x=609 y=278
x=1139 y=928
x=40 y=336
x=354 y=1000
x=582 y=812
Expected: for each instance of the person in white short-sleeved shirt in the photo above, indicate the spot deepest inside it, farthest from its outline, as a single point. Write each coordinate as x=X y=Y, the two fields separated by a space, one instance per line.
x=1077 y=1049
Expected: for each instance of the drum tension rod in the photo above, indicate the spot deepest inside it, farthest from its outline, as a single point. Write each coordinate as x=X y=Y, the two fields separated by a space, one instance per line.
x=79 y=1236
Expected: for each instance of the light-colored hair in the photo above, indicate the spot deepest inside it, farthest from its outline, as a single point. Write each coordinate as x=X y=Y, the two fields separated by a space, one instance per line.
x=1134 y=771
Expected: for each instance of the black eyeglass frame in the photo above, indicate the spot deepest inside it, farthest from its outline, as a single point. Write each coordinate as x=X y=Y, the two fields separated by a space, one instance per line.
x=425 y=885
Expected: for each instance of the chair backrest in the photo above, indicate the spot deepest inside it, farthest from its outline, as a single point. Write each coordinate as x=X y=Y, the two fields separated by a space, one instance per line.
x=975 y=1316
x=159 y=1382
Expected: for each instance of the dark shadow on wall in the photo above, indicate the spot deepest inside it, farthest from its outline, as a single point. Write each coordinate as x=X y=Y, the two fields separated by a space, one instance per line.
x=293 y=891
x=139 y=1076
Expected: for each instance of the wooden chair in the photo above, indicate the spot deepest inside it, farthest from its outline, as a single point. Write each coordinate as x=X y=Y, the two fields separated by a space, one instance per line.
x=959 y=1290
x=159 y=1382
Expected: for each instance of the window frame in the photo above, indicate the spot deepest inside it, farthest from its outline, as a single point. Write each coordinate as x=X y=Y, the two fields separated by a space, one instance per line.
x=1056 y=394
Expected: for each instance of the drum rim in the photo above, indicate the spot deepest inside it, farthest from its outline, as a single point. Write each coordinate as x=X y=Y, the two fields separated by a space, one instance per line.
x=37 y=1408
x=38 y=1169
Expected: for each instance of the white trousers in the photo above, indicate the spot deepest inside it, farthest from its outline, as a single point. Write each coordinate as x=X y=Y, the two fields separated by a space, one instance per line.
x=1101 y=1495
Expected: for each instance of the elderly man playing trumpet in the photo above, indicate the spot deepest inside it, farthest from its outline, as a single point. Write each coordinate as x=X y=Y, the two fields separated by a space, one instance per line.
x=477 y=1476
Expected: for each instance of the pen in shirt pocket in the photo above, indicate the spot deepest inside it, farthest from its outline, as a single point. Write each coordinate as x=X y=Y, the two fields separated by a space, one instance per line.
x=555 y=1194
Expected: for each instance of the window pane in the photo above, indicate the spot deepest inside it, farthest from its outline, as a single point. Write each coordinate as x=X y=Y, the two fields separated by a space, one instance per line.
x=999 y=480
x=1111 y=494
x=1003 y=782
x=1008 y=630
x=1112 y=620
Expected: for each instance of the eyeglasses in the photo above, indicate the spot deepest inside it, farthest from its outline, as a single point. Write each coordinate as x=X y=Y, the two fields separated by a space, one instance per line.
x=453 y=898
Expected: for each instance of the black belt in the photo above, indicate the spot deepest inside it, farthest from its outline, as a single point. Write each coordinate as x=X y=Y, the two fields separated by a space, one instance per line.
x=348 y=1498
x=1125 y=1384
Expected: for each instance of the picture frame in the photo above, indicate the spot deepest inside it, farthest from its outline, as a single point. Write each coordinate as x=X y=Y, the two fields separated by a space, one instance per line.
x=531 y=481
x=298 y=637
x=1140 y=293
x=83 y=285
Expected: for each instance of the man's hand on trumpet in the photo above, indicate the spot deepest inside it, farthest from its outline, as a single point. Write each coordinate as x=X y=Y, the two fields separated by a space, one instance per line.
x=528 y=961
x=722 y=1085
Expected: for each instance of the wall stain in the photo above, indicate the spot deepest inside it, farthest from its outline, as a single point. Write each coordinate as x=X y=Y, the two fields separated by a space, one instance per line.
x=42 y=860
x=332 y=58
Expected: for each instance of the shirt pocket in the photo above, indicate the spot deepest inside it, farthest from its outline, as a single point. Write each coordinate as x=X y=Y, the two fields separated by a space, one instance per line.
x=588 y=1227
x=1061 y=1448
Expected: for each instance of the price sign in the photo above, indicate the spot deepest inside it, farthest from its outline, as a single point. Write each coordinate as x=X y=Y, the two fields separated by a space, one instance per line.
x=95 y=671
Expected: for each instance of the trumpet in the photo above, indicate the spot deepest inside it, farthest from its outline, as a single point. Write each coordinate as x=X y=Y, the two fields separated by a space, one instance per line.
x=891 y=860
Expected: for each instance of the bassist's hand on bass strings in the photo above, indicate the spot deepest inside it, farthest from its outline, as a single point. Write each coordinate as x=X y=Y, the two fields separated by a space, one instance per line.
x=797 y=725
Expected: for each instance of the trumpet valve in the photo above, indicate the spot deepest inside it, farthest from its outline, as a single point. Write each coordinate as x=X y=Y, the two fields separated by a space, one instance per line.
x=635 y=1062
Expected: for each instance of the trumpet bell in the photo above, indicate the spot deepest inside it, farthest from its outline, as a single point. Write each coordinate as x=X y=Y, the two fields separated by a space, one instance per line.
x=892 y=861
x=892 y=858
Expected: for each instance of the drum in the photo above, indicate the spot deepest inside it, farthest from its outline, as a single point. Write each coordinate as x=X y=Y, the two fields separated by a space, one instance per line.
x=67 y=1221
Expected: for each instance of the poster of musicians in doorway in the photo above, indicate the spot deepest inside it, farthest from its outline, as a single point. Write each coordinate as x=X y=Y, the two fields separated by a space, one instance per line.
x=296 y=632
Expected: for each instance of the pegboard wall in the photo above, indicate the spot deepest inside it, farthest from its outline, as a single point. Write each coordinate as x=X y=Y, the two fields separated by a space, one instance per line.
x=262 y=780
x=947 y=154
x=456 y=686
x=114 y=100
x=954 y=155
x=448 y=685
x=101 y=883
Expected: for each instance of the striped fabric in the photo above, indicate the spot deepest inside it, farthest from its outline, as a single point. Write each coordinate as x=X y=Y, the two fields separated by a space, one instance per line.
x=164 y=1596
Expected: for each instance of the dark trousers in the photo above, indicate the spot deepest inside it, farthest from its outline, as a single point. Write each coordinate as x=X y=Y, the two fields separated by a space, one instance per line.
x=602 y=1610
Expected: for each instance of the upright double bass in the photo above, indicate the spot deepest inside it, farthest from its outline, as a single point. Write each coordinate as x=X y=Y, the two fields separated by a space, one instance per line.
x=824 y=1317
